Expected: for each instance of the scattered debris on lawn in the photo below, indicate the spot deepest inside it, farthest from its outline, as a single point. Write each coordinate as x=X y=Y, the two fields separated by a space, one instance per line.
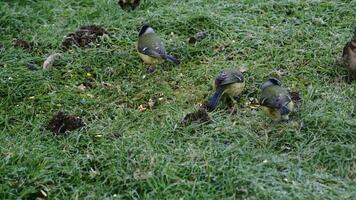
x=278 y=73
x=32 y=66
x=197 y=37
x=60 y=123
x=141 y=108
x=115 y=135
x=203 y=105
x=151 y=104
x=295 y=96
x=84 y=37
x=128 y=4
x=200 y=116
x=252 y=103
x=23 y=44
x=88 y=83
x=151 y=69
x=106 y=84
x=48 y=63
x=147 y=105
x=81 y=87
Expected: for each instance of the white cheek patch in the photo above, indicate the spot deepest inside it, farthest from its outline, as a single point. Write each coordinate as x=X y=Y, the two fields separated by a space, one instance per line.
x=263 y=101
x=149 y=30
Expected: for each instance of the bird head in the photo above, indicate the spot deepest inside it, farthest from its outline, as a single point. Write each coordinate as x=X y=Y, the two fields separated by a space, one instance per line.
x=145 y=29
x=220 y=78
x=270 y=82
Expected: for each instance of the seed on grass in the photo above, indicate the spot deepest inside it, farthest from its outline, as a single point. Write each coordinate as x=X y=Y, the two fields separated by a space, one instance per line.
x=128 y=4
x=200 y=116
x=85 y=37
x=48 y=63
x=60 y=123
x=197 y=37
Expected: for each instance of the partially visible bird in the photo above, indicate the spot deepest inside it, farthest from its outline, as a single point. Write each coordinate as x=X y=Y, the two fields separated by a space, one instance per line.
x=349 y=57
x=275 y=100
x=230 y=83
x=151 y=48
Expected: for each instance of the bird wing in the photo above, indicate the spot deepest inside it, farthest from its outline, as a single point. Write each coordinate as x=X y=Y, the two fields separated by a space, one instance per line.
x=278 y=100
x=151 y=47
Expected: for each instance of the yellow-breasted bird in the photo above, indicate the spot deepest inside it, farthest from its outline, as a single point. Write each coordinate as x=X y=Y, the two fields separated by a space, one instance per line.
x=275 y=100
x=349 y=57
x=151 y=48
x=230 y=83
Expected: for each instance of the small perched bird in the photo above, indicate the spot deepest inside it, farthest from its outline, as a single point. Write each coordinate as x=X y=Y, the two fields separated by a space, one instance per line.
x=229 y=83
x=151 y=48
x=349 y=57
x=275 y=100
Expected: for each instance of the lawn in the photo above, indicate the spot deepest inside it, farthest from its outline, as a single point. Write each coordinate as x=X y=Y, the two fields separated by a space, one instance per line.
x=123 y=153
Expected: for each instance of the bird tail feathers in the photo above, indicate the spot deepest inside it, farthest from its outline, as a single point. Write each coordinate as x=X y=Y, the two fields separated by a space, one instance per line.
x=213 y=103
x=284 y=110
x=172 y=59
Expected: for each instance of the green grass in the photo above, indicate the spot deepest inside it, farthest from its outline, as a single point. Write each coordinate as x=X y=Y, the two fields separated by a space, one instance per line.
x=240 y=155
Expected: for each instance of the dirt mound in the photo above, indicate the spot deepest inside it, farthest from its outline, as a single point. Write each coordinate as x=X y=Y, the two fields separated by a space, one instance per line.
x=128 y=4
x=60 y=123
x=23 y=44
x=200 y=116
x=86 y=36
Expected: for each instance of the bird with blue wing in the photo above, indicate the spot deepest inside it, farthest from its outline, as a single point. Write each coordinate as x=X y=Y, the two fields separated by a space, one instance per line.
x=151 y=48
x=276 y=100
x=228 y=83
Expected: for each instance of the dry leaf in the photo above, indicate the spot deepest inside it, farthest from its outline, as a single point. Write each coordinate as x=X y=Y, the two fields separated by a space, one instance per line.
x=81 y=87
x=48 y=63
x=141 y=108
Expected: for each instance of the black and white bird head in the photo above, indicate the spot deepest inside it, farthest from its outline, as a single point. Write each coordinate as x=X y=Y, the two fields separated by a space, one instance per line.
x=145 y=29
x=271 y=81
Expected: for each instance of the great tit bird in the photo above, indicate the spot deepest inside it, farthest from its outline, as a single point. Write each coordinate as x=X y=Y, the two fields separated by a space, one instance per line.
x=151 y=48
x=230 y=83
x=275 y=100
x=349 y=57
